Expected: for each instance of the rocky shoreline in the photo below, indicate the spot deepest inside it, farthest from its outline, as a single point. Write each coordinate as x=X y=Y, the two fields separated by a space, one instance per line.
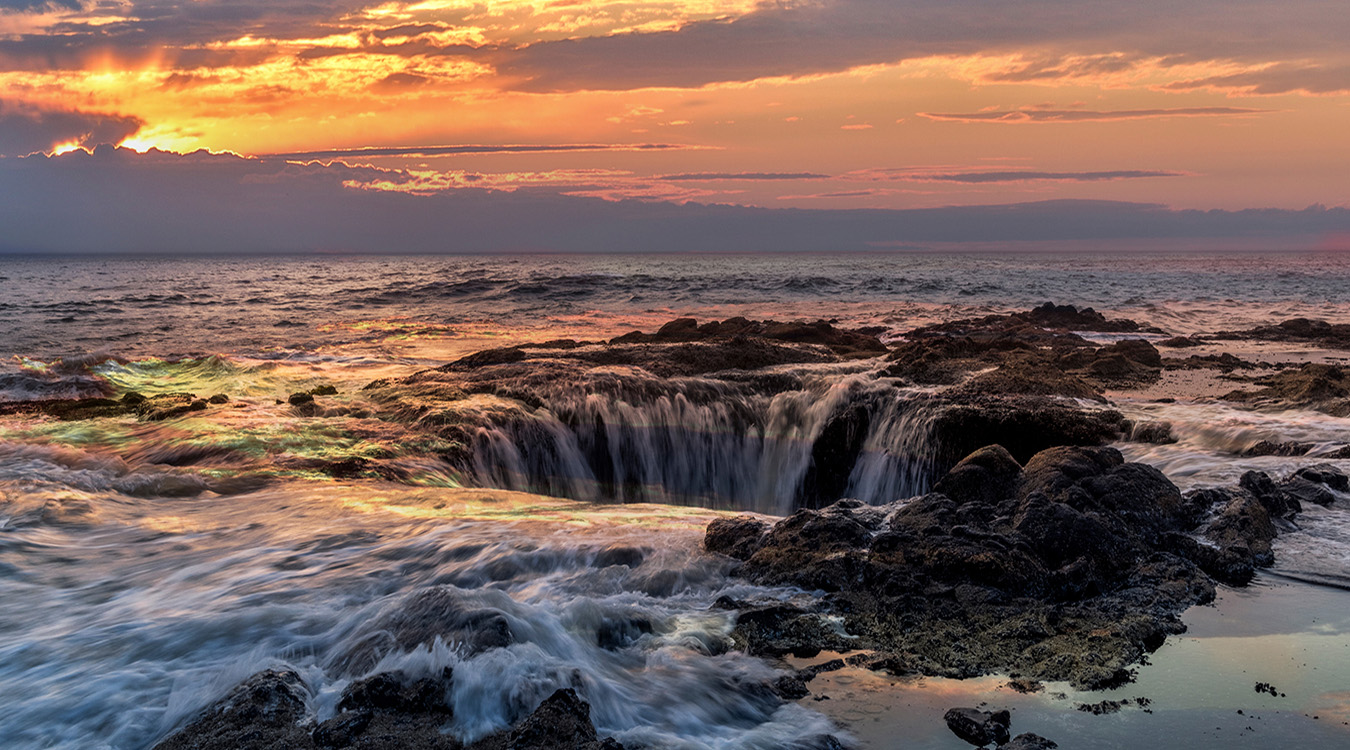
x=1071 y=568
x=1029 y=547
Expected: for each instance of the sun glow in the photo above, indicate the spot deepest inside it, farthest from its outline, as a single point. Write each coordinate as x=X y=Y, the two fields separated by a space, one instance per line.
x=66 y=147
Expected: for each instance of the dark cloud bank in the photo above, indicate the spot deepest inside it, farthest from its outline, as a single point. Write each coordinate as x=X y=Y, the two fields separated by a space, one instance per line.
x=120 y=201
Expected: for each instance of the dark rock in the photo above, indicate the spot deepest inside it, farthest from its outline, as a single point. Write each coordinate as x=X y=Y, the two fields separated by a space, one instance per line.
x=988 y=475
x=791 y=687
x=1026 y=686
x=265 y=712
x=488 y=357
x=219 y=398
x=1137 y=351
x=736 y=537
x=830 y=538
x=615 y=633
x=850 y=343
x=1028 y=741
x=834 y=454
x=978 y=727
x=300 y=399
x=343 y=730
x=395 y=692
x=1157 y=433
x=391 y=710
x=1300 y=489
x=1318 y=386
x=1270 y=448
x=1320 y=332
x=1278 y=503
x=1180 y=342
x=1325 y=474
x=620 y=554
x=323 y=390
x=1023 y=426
x=437 y=612
x=1071 y=569
x=1102 y=708
x=562 y=722
x=1243 y=526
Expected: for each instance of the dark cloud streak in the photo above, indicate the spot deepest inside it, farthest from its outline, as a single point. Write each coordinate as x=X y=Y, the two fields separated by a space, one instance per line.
x=118 y=201
x=719 y=176
x=26 y=129
x=1087 y=115
x=424 y=151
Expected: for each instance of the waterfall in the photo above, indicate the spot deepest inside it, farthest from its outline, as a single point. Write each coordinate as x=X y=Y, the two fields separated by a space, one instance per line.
x=852 y=436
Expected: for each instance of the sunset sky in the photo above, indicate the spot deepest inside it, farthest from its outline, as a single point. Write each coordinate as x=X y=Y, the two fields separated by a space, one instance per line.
x=817 y=104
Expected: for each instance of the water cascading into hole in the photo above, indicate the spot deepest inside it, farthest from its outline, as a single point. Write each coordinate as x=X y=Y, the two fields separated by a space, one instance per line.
x=766 y=453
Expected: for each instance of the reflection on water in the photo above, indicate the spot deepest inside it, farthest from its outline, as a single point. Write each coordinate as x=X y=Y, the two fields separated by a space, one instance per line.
x=1199 y=687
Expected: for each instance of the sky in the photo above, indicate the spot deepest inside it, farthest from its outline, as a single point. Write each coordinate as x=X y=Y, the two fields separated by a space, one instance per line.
x=626 y=108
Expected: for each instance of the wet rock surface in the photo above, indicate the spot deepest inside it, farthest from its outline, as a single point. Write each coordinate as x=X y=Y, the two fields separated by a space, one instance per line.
x=599 y=404
x=1319 y=332
x=1323 y=387
x=978 y=727
x=270 y=711
x=1070 y=567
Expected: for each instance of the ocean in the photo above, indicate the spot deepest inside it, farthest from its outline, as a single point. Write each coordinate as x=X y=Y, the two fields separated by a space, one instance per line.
x=146 y=567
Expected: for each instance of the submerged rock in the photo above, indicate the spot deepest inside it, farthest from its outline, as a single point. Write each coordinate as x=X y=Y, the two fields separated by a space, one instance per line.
x=438 y=612
x=1319 y=332
x=1322 y=387
x=1028 y=741
x=978 y=727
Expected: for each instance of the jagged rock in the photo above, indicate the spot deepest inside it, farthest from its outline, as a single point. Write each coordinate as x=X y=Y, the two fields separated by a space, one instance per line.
x=1270 y=448
x=1325 y=474
x=391 y=710
x=1023 y=426
x=1242 y=525
x=1320 y=332
x=562 y=722
x=1318 y=386
x=736 y=537
x=1028 y=741
x=1180 y=342
x=1301 y=490
x=841 y=341
x=1279 y=504
x=437 y=612
x=1071 y=568
x=266 y=712
x=978 y=727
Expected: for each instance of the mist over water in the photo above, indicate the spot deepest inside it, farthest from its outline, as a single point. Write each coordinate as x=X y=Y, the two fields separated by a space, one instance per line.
x=147 y=567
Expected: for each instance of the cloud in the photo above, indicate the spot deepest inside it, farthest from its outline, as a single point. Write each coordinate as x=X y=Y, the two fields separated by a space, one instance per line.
x=425 y=151
x=36 y=6
x=798 y=39
x=714 y=176
x=1003 y=176
x=115 y=200
x=1275 y=79
x=1086 y=115
x=26 y=129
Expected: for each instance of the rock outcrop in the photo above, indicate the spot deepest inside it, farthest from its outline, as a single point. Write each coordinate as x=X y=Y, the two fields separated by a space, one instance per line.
x=1070 y=567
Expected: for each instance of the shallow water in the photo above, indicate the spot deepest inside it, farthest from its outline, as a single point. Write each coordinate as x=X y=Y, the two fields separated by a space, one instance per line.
x=1199 y=687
